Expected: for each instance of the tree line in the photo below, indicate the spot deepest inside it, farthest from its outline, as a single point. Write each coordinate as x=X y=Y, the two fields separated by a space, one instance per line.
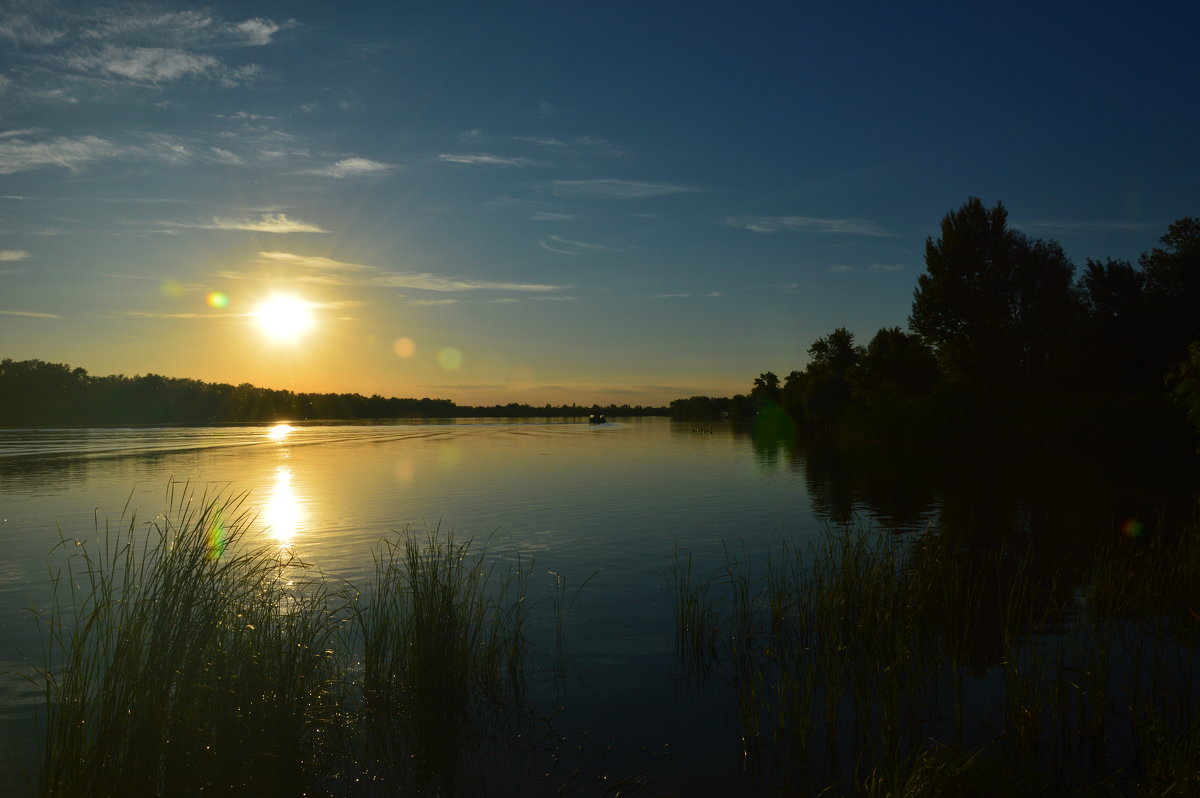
x=999 y=318
x=36 y=393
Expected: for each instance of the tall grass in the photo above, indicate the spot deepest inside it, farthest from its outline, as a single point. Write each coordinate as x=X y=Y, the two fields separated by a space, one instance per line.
x=180 y=659
x=886 y=665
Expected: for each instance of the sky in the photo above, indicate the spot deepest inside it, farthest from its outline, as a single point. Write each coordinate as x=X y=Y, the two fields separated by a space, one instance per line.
x=535 y=202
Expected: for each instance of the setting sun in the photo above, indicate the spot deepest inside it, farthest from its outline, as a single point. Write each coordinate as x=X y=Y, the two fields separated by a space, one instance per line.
x=284 y=318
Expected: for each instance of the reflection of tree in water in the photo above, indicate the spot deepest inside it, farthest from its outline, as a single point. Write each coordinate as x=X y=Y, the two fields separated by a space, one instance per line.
x=890 y=488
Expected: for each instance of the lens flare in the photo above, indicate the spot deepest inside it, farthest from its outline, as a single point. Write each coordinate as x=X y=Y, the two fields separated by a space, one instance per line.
x=404 y=347
x=449 y=358
x=218 y=536
x=1132 y=528
x=217 y=300
x=172 y=288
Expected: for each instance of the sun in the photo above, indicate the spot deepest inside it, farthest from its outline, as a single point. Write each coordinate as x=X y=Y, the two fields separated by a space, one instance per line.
x=284 y=318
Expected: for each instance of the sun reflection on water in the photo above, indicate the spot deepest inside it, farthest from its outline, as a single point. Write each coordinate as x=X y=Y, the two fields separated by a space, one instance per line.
x=280 y=431
x=283 y=513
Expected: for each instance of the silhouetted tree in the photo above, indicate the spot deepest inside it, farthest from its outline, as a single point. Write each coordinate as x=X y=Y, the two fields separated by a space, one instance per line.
x=995 y=305
x=895 y=362
x=1115 y=333
x=766 y=387
x=1173 y=289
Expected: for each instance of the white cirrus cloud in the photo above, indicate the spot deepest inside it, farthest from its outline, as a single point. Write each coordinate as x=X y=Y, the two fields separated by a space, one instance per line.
x=226 y=157
x=268 y=223
x=884 y=268
x=607 y=188
x=1080 y=226
x=146 y=64
x=335 y=272
x=352 y=167
x=481 y=159
x=30 y=314
x=550 y=216
x=13 y=254
x=265 y=223
x=314 y=262
x=568 y=246
x=18 y=155
x=257 y=31
x=776 y=224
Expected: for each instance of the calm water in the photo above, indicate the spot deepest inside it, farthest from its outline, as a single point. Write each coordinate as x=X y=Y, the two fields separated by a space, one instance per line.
x=611 y=503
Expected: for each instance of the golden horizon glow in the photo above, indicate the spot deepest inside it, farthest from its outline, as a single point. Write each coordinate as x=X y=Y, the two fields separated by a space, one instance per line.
x=285 y=319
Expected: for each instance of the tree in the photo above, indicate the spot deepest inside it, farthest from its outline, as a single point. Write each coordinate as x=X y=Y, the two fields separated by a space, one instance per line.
x=996 y=306
x=896 y=362
x=1173 y=289
x=833 y=354
x=1115 y=338
x=766 y=387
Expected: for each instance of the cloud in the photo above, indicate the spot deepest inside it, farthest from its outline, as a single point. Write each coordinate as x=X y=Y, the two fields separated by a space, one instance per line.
x=314 y=262
x=257 y=31
x=356 y=274
x=146 y=64
x=775 y=224
x=480 y=159
x=433 y=302
x=266 y=223
x=227 y=157
x=17 y=155
x=549 y=216
x=617 y=189
x=432 y=282
x=874 y=268
x=30 y=314
x=13 y=254
x=572 y=247
x=352 y=167
x=549 y=248
x=1069 y=227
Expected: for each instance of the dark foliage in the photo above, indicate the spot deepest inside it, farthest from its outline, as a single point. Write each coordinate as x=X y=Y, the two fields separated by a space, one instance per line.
x=36 y=393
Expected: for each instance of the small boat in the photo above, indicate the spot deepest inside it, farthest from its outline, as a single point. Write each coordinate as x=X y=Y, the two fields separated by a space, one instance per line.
x=596 y=418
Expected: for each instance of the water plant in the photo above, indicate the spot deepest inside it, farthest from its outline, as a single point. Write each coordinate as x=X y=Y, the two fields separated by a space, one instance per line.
x=926 y=665
x=181 y=659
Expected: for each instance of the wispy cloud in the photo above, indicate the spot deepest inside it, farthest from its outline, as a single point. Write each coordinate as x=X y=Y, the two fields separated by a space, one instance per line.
x=145 y=64
x=17 y=155
x=314 y=262
x=874 y=268
x=226 y=157
x=775 y=224
x=30 y=314
x=433 y=302
x=606 y=188
x=266 y=223
x=566 y=246
x=1079 y=226
x=353 y=167
x=481 y=159
x=549 y=216
x=13 y=254
x=334 y=272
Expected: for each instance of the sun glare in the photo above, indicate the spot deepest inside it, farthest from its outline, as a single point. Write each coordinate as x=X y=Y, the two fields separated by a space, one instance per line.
x=284 y=318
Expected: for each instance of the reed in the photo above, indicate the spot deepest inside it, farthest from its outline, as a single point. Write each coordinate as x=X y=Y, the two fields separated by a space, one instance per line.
x=1022 y=678
x=180 y=659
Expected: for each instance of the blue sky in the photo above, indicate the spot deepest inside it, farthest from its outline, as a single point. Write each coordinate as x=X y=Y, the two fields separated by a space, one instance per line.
x=551 y=202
